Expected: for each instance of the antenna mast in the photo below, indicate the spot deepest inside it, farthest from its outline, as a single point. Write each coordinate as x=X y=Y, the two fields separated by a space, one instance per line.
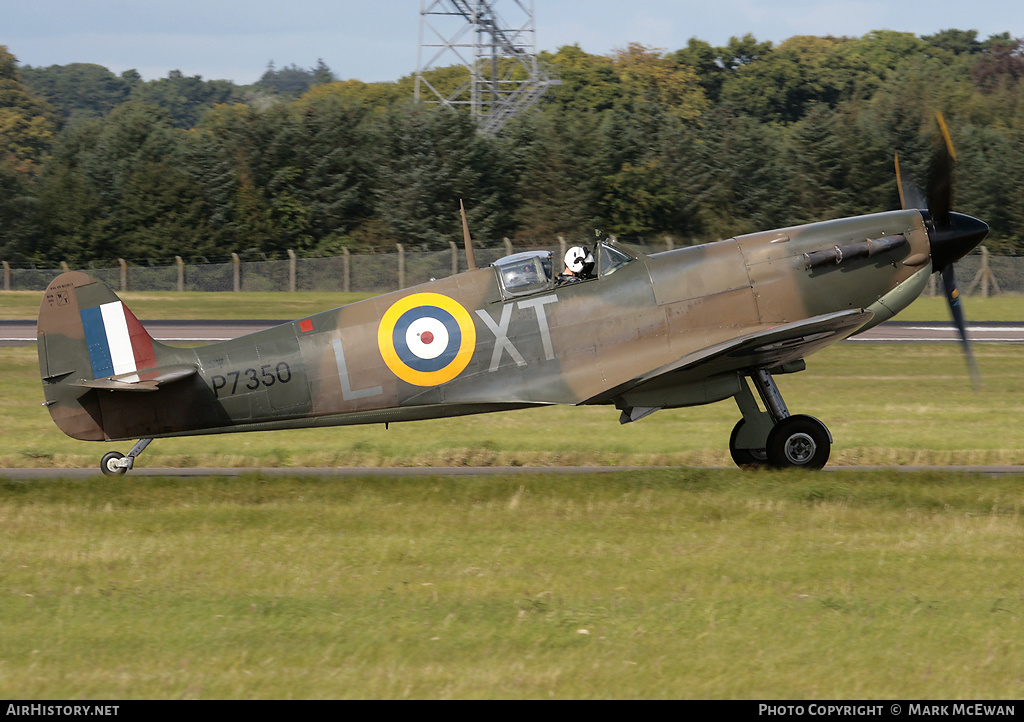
x=505 y=78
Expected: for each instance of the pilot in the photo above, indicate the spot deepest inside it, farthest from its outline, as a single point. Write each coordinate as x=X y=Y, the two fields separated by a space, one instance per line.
x=579 y=265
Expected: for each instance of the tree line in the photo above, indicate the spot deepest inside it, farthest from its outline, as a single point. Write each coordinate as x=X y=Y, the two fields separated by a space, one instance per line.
x=695 y=144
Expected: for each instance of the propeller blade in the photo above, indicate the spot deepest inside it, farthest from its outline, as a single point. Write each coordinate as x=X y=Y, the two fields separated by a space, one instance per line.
x=956 y=309
x=945 y=135
x=910 y=193
x=940 y=182
x=899 y=182
x=951 y=236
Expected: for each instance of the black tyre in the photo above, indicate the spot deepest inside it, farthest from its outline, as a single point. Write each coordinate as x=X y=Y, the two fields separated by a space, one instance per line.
x=799 y=442
x=109 y=466
x=746 y=458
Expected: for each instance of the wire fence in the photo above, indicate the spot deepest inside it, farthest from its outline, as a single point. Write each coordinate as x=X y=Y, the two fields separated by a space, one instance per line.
x=979 y=273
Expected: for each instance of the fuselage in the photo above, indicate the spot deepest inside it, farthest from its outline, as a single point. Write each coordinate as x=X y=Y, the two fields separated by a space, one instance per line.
x=476 y=342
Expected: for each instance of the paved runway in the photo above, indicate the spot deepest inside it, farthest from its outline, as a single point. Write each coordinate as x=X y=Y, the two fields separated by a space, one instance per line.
x=936 y=332
x=22 y=333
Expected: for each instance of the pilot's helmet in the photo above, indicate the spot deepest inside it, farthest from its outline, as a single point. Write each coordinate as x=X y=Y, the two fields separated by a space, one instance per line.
x=579 y=259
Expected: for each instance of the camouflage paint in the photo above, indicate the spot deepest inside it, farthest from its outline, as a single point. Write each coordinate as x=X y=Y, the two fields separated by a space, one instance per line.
x=670 y=329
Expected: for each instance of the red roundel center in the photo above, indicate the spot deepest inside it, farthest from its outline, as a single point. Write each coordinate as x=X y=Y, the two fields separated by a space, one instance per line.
x=426 y=337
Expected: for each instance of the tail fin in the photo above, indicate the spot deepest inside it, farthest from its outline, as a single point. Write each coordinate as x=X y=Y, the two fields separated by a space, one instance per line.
x=89 y=340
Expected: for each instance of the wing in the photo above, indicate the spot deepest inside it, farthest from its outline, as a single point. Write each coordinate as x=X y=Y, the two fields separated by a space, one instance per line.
x=766 y=348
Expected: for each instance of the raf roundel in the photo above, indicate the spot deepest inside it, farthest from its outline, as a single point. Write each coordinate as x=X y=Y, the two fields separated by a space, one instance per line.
x=426 y=339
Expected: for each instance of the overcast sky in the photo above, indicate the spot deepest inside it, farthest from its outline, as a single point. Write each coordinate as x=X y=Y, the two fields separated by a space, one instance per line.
x=378 y=40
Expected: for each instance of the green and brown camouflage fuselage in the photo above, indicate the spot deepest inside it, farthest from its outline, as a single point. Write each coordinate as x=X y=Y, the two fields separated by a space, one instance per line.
x=679 y=328
x=617 y=339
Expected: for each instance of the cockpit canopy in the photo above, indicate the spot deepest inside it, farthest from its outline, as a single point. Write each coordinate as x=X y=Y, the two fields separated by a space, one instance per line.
x=533 y=271
x=527 y=272
x=610 y=259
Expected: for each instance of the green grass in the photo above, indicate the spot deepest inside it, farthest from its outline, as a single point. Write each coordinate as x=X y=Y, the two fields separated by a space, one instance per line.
x=18 y=305
x=883 y=404
x=1007 y=307
x=675 y=584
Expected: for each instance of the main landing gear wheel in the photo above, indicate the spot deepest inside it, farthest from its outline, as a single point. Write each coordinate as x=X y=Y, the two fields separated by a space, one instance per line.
x=746 y=458
x=789 y=442
x=111 y=465
x=798 y=442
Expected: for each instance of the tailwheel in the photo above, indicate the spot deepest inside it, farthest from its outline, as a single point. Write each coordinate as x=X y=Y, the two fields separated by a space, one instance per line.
x=746 y=458
x=112 y=465
x=798 y=442
x=115 y=462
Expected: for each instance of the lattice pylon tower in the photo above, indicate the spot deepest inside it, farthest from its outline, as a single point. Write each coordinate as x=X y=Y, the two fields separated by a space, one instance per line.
x=503 y=77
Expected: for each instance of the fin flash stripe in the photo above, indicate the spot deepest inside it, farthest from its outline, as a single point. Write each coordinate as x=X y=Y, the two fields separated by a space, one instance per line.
x=118 y=344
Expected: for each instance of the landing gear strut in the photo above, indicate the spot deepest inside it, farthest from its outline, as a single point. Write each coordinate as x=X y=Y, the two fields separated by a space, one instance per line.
x=774 y=438
x=115 y=463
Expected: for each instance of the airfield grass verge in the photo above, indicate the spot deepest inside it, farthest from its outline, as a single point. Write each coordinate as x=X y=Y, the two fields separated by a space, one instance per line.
x=173 y=306
x=892 y=405
x=681 y=584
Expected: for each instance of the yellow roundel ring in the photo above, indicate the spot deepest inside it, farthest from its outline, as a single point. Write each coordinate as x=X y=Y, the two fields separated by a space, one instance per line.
x=426 y=339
